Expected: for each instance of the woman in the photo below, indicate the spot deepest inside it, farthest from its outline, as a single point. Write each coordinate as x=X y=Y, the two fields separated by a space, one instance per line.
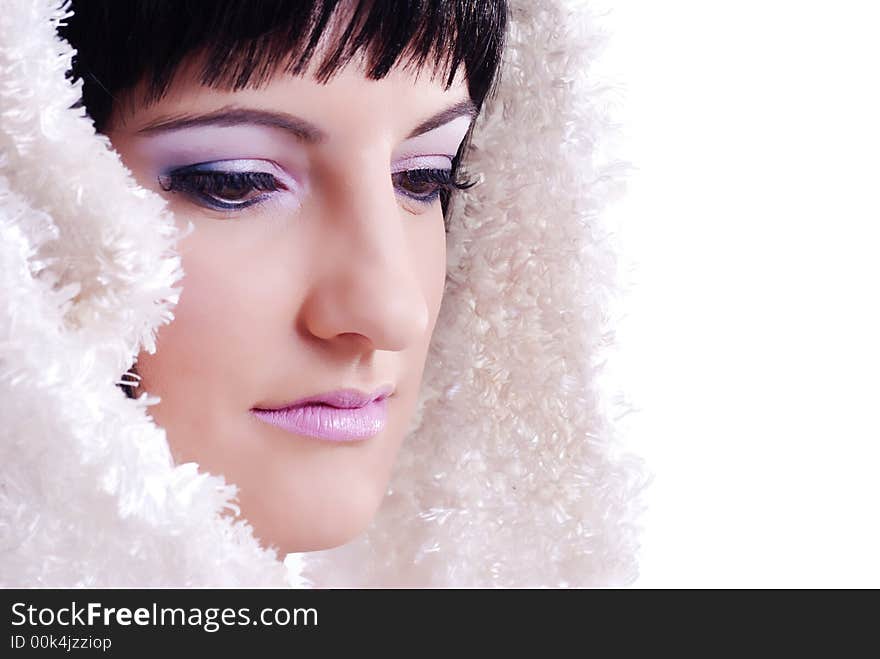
x=303 y=307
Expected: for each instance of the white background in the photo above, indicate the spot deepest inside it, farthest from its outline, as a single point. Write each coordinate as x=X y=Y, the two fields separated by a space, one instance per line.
x=750 y=342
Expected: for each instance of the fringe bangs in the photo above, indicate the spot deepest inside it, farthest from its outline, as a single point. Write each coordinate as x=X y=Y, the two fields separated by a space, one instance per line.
x=244 y=43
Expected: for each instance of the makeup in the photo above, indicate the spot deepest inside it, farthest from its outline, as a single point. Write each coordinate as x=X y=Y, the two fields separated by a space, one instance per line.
x=224 y=169
x=185 y=146
x=230 y=169
x=229 y=185
x=440 y=143
x=423 y=164
x=339 y=416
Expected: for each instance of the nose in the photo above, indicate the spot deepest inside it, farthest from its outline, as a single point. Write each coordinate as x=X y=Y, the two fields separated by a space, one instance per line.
x=369 y=284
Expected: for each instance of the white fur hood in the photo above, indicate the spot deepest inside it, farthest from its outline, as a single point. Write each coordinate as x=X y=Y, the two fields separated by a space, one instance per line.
x=511 y=474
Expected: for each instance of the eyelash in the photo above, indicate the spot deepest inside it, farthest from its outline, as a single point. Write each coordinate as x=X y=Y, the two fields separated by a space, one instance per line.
x=443 y=179
x=206 y=185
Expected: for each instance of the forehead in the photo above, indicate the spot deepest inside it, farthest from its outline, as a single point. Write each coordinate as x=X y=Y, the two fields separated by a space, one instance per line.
x=348 y=99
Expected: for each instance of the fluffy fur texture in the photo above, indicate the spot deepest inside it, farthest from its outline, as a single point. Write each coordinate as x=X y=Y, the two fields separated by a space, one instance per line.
x=510 y=475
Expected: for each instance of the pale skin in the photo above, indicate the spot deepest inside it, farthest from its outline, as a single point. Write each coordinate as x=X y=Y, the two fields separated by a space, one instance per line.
x=335 y=282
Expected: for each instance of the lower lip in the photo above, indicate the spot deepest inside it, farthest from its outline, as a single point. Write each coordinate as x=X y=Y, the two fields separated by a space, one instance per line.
x=333 y=424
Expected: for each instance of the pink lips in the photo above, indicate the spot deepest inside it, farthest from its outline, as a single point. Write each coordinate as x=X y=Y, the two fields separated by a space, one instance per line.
x=340 y=416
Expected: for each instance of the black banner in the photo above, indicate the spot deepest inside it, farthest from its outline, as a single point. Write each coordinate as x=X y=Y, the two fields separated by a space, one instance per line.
x=132 y=622
x=118 y=622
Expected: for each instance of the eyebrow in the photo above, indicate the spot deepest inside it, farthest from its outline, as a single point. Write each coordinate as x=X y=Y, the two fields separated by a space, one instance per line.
x=465 y=108
x=301 y=129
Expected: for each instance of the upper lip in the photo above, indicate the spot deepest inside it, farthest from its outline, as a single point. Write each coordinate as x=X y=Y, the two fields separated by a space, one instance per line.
x=343 y=398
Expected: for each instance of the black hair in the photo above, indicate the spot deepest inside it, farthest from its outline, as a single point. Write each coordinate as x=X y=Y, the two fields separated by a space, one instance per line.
x=243 y=43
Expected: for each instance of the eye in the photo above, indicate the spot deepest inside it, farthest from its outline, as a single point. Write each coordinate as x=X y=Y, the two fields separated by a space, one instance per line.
x=424 y=185
x=225 y=185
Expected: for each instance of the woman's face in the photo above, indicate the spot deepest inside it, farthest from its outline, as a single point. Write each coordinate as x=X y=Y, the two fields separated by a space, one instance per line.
x=316 y=264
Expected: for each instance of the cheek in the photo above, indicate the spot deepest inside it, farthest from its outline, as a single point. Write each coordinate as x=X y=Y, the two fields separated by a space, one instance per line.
x=228 y=315
x=429 y=251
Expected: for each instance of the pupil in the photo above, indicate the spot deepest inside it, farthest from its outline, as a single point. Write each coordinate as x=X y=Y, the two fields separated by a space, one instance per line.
x=235 y=192
x=419 y=187
x=235 y=188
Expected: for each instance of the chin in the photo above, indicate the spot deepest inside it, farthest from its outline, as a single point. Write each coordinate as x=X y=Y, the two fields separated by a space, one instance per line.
x=321 y=527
